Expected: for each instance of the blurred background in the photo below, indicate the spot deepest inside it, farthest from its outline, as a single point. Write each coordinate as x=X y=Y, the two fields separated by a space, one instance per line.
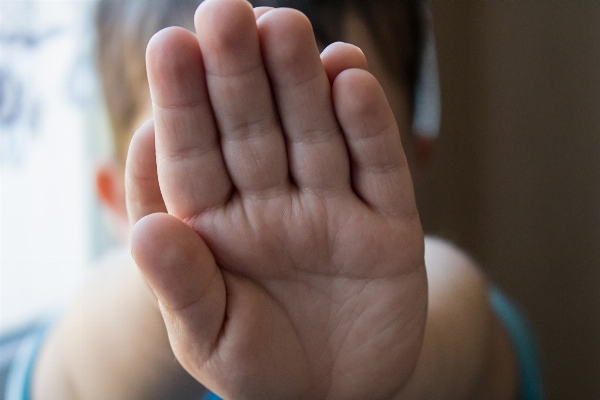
x=52 y=131
x=515 y=179
x=516 y=176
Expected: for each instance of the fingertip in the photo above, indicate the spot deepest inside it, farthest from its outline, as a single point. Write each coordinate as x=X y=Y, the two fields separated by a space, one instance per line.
x=173 y=63
x=260 y=11
x=174 y=259
x=211 y=4
x=340 y=56
x=291 y=33
x=141 y=160
x=224 y=23
x=165 y=41
x=154 y=236
x=141 y=142
x=357 y=92
x=143 y=234
x=142 y=190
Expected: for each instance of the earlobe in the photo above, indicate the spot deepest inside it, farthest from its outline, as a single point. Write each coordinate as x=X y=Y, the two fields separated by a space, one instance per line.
x=110 y=187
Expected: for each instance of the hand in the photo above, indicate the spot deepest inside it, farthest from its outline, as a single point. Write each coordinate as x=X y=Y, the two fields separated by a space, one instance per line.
x=290 y=263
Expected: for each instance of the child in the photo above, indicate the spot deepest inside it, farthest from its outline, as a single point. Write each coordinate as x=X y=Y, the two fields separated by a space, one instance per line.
x=292 y=262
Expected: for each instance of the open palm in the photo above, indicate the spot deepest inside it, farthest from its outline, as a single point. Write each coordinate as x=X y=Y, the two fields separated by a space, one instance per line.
x=277 y=223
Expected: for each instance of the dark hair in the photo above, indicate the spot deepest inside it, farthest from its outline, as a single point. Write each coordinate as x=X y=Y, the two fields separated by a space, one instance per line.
x=124 y=28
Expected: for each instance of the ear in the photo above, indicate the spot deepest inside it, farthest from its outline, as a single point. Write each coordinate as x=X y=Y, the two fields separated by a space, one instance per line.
x=110 y=187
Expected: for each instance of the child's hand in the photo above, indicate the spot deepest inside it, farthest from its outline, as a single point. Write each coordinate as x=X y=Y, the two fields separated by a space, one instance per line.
x=291 y=264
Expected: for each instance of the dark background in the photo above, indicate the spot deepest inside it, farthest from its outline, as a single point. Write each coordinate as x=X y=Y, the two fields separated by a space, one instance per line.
x=516 y=177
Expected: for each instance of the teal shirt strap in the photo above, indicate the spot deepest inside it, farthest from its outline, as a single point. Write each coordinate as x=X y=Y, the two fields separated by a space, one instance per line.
x=523 y=343
x=18 y=384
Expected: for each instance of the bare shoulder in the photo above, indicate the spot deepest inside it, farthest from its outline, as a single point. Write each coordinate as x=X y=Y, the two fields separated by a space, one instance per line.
x=450 y=268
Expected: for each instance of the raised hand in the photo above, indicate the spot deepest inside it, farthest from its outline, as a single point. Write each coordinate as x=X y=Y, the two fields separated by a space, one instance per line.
x=290 y=263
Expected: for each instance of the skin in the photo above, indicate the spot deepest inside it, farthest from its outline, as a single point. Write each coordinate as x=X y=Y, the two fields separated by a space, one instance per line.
x=312 y=272
x=301 y=272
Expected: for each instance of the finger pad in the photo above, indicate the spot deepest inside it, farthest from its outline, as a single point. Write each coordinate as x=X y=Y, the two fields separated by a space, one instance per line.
x=173 y=258
x=357 y=95
x=142 y=189
x=289 y=46
x=338 y=57
x=225 y=29
x=174 y=64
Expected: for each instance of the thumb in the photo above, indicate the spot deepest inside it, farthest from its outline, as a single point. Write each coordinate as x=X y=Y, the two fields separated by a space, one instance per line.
x=183 y=274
